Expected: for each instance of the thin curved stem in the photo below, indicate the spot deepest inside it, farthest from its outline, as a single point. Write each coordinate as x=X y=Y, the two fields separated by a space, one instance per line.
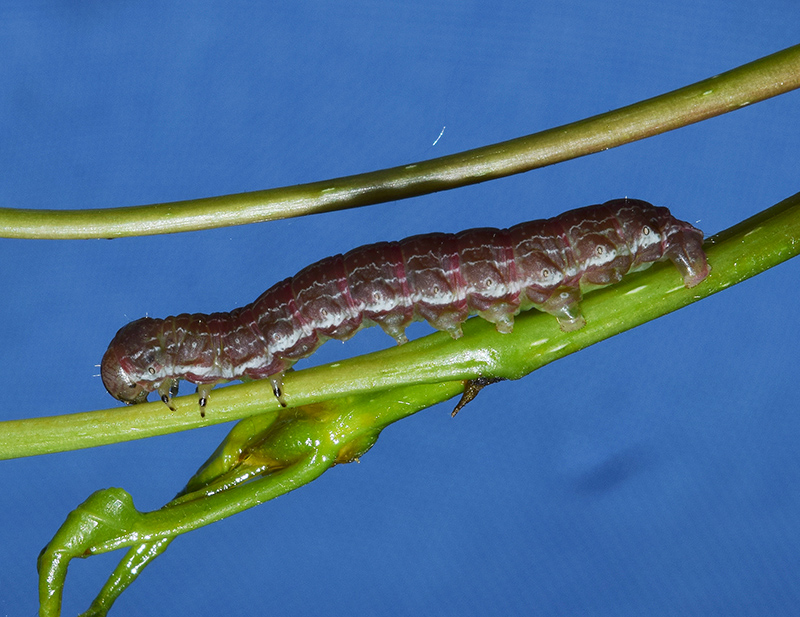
x=123 y=576
x=740 y=252
x=750 y=83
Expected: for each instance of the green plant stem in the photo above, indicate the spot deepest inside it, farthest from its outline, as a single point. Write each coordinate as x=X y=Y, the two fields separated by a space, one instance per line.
x=271 y=454
x=742 y=251
x=124 y=525
x=288 y=455
x=750 y=83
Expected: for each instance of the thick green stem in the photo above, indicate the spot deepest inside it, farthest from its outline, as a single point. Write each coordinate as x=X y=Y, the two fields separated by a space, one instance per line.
x=294 y=452
x=742 y=251
x=108 y=521
x=753 y=82
x=306 y=442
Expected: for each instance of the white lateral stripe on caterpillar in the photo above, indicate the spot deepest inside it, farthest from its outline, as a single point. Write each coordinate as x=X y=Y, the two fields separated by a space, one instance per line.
x=441 y=278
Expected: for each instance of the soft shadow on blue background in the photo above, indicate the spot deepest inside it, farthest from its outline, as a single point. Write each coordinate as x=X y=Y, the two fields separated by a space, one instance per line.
x=655 y=473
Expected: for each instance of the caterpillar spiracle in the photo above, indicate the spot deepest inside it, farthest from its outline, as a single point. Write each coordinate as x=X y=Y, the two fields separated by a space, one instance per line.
x=439 y=277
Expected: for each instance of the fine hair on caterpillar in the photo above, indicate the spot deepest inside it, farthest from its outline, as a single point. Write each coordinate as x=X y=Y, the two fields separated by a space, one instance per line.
x=438 y=277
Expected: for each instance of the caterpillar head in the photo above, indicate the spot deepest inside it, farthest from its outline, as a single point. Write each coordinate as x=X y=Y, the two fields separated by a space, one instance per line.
x=132 y=366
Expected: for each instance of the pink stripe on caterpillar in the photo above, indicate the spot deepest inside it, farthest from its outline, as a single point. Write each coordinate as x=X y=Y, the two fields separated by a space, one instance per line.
x=442 y=278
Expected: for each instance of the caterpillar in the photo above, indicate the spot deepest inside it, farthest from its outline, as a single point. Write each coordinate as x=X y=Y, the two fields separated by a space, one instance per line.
x=439 y=277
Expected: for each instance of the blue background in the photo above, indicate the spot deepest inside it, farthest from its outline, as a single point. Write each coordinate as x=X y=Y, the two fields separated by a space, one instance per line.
x=656 y=472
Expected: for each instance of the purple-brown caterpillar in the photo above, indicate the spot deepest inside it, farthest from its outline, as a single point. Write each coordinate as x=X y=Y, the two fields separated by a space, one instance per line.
x=441 y=278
